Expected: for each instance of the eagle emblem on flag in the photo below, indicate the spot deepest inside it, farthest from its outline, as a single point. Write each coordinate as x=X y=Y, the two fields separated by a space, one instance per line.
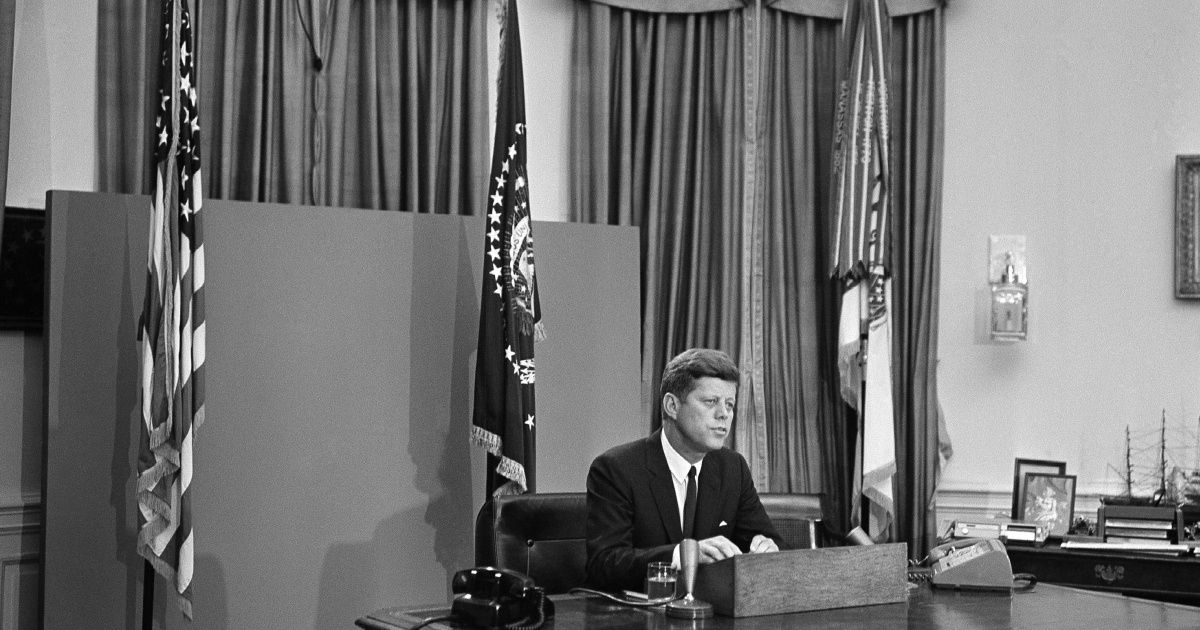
x=518 y=274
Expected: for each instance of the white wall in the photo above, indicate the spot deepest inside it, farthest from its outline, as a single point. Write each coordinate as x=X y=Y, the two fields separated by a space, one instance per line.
x=546 y=49
x=1063 y=122
x=52 y=142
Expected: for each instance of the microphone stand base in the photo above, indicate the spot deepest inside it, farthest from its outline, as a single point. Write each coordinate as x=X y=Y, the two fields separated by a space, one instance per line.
x=689 y=608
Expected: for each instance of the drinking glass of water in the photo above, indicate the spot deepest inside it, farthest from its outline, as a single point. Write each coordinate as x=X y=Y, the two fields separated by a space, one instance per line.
x=660 y=581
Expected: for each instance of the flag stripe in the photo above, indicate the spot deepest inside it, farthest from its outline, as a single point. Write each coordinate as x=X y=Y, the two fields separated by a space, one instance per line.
x=862 y=206
x=172 y=329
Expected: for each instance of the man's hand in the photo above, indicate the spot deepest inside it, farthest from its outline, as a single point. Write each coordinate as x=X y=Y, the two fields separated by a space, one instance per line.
x=716 y=548
x=762 y=544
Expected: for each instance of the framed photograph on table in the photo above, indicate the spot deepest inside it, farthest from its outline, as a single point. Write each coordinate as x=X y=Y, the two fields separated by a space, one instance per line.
x=1023 y=466
x=1049 y=500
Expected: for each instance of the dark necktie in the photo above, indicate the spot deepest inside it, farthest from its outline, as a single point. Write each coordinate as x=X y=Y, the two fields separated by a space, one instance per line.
x=689 y=506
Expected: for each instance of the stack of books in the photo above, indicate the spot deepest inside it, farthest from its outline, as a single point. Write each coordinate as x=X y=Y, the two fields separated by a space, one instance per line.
x=1140 y=524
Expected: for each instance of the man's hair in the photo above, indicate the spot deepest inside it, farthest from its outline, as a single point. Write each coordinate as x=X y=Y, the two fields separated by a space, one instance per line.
x=681 y=373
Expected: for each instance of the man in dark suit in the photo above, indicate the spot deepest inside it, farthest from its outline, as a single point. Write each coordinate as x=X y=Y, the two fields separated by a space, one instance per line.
x=646 y=496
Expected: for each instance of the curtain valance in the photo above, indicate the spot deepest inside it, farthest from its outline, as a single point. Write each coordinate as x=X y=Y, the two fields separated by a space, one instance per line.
x=829 y=9
x=833 y=9
x=674 y=6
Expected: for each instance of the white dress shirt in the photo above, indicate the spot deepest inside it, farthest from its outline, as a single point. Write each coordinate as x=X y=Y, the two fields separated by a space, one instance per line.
x=679 y=476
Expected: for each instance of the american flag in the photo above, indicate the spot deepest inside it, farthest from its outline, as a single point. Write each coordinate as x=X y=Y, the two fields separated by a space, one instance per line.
x=171 y=330
x=862 y=204
x=504 y=421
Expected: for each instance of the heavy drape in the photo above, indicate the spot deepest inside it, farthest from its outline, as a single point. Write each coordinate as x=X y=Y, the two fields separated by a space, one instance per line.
x=734 y=206
x=807 y=430
x=8 y=22
x=368 y=103
x=918 y=124
x=657 y=130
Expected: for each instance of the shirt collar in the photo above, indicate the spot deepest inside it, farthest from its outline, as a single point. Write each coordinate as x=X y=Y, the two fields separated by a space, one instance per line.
x=678 y=465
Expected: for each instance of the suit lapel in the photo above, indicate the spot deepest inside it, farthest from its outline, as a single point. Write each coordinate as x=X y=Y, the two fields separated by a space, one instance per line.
x=662 y=487
x=708 y=497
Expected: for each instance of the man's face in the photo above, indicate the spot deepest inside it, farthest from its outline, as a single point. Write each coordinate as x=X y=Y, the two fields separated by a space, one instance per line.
x=701 y=421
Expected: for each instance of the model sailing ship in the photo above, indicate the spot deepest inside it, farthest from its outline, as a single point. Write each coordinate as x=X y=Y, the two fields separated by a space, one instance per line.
x=1162 y=467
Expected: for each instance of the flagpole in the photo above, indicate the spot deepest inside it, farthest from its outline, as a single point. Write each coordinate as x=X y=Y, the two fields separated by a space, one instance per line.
x=147 y=595
x=864 y=505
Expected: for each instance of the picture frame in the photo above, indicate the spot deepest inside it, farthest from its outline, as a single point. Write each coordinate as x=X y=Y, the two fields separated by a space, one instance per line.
x=1049 y=500
x=1022 y=466
x=1187 y=226
x=22 y=269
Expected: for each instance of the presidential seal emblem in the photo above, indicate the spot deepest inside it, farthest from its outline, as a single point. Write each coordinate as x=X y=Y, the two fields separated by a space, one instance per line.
x=518 y=272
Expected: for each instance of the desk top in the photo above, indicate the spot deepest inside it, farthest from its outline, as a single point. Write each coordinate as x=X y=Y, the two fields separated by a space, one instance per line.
x=1047 y=606
x=1143 y=575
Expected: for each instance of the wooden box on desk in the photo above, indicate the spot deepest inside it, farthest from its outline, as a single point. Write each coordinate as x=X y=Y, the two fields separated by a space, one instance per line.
x=804 y=579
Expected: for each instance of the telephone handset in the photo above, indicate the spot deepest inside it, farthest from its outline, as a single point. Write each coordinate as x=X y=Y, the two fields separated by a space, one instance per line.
x=493 y=598
x=974 y=563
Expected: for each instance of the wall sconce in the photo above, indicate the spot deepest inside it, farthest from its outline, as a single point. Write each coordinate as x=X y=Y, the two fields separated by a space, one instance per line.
x=1010 y=289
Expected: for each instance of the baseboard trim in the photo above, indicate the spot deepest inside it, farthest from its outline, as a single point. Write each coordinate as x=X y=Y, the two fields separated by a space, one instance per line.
x=987 y=504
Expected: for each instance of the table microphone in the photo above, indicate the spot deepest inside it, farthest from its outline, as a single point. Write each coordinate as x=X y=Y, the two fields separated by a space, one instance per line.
x=689 y=607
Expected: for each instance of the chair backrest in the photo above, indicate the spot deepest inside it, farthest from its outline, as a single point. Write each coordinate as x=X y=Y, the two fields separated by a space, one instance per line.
x=797 y=517
x=544 y=536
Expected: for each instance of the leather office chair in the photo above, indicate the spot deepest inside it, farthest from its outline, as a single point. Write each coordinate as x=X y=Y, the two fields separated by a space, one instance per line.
x=544 y=536
x=797 y=517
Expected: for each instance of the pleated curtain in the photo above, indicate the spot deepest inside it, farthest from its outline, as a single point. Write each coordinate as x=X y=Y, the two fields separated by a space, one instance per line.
x=364 y=103
x=918 y=131
x=8 y=22
x=709 y=125
x=805 y=432
x=658 y=135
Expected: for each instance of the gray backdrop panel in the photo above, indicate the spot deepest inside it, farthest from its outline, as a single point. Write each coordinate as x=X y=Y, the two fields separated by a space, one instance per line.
x=333 y=472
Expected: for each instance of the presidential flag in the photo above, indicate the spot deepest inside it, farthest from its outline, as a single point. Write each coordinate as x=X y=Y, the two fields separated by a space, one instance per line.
x=171 y=330
x=505 y=420
x=861 y=252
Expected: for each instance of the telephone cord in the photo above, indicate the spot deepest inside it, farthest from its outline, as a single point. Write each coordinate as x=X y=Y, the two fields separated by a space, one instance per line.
x=538 y=620
x=426 y=622
x=1029 y=579
x=621 y=600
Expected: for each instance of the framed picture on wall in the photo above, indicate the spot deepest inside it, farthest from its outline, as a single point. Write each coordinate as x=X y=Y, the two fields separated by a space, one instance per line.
x=1023 y=466
x=1187 y=226
x=22 y=262
x=1048 y=500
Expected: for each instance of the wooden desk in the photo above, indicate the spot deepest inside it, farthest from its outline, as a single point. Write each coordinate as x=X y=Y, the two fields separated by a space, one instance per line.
x=1047 y=606
x=1159 y=577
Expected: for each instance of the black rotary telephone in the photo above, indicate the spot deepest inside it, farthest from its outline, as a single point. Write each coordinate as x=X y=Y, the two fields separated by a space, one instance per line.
x=499 y=599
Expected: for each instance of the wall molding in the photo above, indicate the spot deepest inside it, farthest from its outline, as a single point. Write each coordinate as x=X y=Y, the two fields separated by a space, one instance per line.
x=19 y=577
x=21 y=516
x=20 y=561
x=991 y=502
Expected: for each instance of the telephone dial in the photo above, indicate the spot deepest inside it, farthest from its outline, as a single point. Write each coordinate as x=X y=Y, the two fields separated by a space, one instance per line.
x=488 y=597
x=973 y=563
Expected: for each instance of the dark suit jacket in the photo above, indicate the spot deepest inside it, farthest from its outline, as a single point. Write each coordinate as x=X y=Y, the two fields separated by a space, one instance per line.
x=633 y=517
